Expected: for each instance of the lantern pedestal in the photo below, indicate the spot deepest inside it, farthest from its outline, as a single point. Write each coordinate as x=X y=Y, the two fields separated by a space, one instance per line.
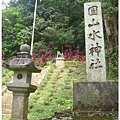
x=23 y=67
x=60 y=62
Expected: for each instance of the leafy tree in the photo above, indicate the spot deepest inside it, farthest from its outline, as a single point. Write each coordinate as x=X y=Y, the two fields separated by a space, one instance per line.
x=14 y=33
x=57 y=21
x=110 y=15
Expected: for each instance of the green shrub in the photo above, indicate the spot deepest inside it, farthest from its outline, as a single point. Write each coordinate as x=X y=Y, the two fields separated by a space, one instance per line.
x=71 y=63
x=7 y=75
x=5 y=118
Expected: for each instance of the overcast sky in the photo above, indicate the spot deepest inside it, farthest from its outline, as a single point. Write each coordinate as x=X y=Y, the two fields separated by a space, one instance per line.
x=6 y=1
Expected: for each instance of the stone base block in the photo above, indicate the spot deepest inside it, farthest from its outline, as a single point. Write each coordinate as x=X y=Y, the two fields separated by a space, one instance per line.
x=95 y=96
x=60 y=62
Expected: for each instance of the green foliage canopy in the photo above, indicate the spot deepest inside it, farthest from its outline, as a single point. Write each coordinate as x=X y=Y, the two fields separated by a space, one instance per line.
x=57 y=21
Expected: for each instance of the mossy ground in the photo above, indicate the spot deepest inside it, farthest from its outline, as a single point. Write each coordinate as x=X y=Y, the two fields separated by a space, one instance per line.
x=55 y=93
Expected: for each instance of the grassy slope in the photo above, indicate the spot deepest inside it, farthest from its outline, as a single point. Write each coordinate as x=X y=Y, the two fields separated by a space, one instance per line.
x=56 y=91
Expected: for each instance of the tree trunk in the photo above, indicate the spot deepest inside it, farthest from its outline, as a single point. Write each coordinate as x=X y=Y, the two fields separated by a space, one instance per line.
x=110 y=36
x=116 y=34
x=110 y=40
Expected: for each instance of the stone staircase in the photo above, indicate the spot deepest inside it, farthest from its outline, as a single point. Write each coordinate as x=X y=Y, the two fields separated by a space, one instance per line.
x=7 y=102
x=7 y=96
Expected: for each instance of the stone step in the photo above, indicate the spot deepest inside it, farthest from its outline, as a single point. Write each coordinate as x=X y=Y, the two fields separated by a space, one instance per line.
x=6 y=101
x=6 y=106
x=7 y=115
x=6 y=111
x=7 y=95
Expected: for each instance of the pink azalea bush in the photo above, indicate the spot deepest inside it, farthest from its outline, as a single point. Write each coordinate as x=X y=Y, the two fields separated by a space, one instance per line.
x=3 y=55
x=41 y=56
x=75 y=55
x=70 y=54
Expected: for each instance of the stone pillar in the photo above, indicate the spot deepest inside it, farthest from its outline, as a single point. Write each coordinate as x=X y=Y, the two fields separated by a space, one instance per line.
x=23 y=66
x=96 y=95
x=21 y=101
x=94 y=39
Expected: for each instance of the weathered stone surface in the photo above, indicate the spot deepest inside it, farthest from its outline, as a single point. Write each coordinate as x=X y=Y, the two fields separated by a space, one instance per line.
x=94 y=39
x=60 y=62
x=21 y=101
x=83 y=116
x=23 y=76
x=21 y=87
x=95 y=96
x=22 y=64
x=25 y=48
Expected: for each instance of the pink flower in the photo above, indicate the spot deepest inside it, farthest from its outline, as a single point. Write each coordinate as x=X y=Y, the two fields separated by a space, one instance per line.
x=34 y=55
x=42 y=51
x=83 y=58
x=50 y=45
x=3 y=54
x=43 y=58
x=68 y=59
x=49 y=53
x=76 y=52
x=3 y=64
x=37 y=63
x=80 y=53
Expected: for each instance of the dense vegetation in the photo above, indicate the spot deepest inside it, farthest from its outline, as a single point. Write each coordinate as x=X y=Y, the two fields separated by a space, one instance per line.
x=57 y=22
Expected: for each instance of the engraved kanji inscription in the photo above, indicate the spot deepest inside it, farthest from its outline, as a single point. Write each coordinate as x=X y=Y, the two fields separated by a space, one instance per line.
x=96 y=49
x=93 y=23
x=95 y=64
x=93 y=34
x=93 y=10
x=94 y=39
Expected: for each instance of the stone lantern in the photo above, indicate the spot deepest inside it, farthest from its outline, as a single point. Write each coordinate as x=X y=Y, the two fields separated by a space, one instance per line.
x=23 y=67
